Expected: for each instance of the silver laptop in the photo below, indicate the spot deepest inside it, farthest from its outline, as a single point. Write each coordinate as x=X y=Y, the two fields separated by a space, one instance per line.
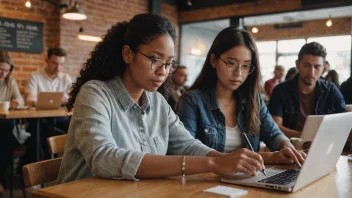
x=49 y=100
x=323 y=155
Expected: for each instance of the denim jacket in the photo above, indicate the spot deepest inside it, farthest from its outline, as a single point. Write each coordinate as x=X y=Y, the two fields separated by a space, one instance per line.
x=201 y=115
x=284 y=101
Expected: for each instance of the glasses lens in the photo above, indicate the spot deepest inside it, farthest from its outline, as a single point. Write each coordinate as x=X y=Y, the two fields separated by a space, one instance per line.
x=173 y=67
x=156 y=64
x=251 y=69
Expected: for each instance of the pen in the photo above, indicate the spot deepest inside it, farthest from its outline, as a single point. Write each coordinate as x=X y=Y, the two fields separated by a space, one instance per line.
x=244 y=136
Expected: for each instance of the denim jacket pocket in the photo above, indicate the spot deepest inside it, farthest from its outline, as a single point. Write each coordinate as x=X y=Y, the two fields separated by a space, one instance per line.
x=161 y=145
x=210 y=135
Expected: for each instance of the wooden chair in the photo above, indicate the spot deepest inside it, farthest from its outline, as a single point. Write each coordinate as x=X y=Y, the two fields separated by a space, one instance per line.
x=56 y=144
x=41 y=172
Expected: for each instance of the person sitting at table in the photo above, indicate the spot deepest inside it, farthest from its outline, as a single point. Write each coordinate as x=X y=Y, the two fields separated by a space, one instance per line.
x=224 y=101
x=48 y=79
x=8 y=86
x=8 y=92
x=121 y=127
x=306 y=94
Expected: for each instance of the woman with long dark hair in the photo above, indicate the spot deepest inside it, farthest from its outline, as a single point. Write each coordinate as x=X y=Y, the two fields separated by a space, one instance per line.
x=333 y=77
x=8 y=87
x=223 y=103
x=8 y=92
x=121 y=127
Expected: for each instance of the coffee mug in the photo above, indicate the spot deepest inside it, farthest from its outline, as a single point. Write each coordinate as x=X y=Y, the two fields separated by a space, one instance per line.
x=296 y=142
x=4 y=106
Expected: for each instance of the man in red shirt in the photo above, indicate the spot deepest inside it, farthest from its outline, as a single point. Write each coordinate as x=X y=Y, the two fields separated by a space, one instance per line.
x=269 y=85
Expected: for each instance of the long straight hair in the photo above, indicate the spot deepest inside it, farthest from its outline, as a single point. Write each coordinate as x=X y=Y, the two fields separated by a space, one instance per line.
x=228 y=38
x=5 y=58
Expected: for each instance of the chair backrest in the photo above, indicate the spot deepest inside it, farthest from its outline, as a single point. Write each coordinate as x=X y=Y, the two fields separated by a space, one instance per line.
x=41 y=172
x=56 y=144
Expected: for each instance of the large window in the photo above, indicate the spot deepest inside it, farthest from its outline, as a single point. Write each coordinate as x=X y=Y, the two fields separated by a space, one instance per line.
x=195 y=43
x=267 y=57
x=339 y=53
x=285 y=52
x=288 y=52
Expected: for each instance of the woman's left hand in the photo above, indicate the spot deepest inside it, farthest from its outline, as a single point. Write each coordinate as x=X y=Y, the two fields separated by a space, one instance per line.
x=289 y=155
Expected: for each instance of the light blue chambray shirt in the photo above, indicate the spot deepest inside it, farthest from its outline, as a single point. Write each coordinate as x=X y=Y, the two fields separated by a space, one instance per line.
x=109 y=133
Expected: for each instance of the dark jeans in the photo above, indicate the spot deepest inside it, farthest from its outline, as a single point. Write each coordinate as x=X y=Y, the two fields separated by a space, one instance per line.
x=48 y=127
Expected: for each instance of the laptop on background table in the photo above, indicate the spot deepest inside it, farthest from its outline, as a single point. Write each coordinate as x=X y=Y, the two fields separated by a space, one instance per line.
x=49 y=100
x=325 y=150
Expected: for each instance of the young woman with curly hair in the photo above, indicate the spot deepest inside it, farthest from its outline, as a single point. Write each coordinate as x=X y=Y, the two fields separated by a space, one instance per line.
x=121 y=127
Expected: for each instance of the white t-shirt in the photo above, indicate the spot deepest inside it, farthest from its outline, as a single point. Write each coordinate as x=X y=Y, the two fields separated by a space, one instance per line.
x=39 y=81
x=233 y=139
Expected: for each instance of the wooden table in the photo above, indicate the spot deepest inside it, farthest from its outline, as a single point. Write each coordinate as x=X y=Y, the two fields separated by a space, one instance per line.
x=36 y=114
x=336 y=184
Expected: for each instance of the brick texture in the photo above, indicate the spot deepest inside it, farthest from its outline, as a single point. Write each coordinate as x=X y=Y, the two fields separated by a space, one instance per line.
x=39 y=12
x=102 y=14
x=316 y=28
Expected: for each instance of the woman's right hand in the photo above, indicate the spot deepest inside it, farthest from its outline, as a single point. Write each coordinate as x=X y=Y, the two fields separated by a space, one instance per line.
x=13 y=103
x=241 y=160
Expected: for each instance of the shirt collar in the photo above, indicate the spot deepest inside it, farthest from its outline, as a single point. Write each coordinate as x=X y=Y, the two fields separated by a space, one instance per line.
x=59 y=75
x=124 y=97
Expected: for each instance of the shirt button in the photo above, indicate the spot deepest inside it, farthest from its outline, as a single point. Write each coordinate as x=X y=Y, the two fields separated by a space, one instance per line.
x=206 y=130
x=145 y=143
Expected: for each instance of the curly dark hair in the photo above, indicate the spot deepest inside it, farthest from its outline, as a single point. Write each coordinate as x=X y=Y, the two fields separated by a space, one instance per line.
x=313 y=48
x=106 y=60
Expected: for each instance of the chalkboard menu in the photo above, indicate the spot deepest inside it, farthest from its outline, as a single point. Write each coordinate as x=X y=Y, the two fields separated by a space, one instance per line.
x=21 y=36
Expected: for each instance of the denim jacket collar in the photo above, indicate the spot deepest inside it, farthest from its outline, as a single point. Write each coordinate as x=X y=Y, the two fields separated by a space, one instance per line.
x=124 y=97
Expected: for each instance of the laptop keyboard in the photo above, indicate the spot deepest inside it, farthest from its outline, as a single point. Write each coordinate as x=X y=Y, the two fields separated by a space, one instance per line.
x=283 y=178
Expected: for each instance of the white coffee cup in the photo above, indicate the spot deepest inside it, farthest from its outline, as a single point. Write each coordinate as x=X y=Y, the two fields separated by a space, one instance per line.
x=4 y=106
x=296 y=142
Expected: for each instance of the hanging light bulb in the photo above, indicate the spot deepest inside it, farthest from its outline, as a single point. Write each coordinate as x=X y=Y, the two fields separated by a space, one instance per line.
x=329 y=22
x=255 y=30
x=189 y=2
x=74 y=13
x=28 y=4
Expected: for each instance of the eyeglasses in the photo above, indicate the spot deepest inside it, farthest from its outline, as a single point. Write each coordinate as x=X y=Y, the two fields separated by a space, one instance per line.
x=158 y=63
x=4 y=70
x=233 y=67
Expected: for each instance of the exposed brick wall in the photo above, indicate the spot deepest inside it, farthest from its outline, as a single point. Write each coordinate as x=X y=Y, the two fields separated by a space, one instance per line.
x=39 y=12
x=316 y=28
x=171 y=13
x=61 y=32
x=101 y=16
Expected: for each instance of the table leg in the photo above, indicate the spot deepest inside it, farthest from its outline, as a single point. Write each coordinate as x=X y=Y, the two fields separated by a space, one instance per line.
x=38 y=139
